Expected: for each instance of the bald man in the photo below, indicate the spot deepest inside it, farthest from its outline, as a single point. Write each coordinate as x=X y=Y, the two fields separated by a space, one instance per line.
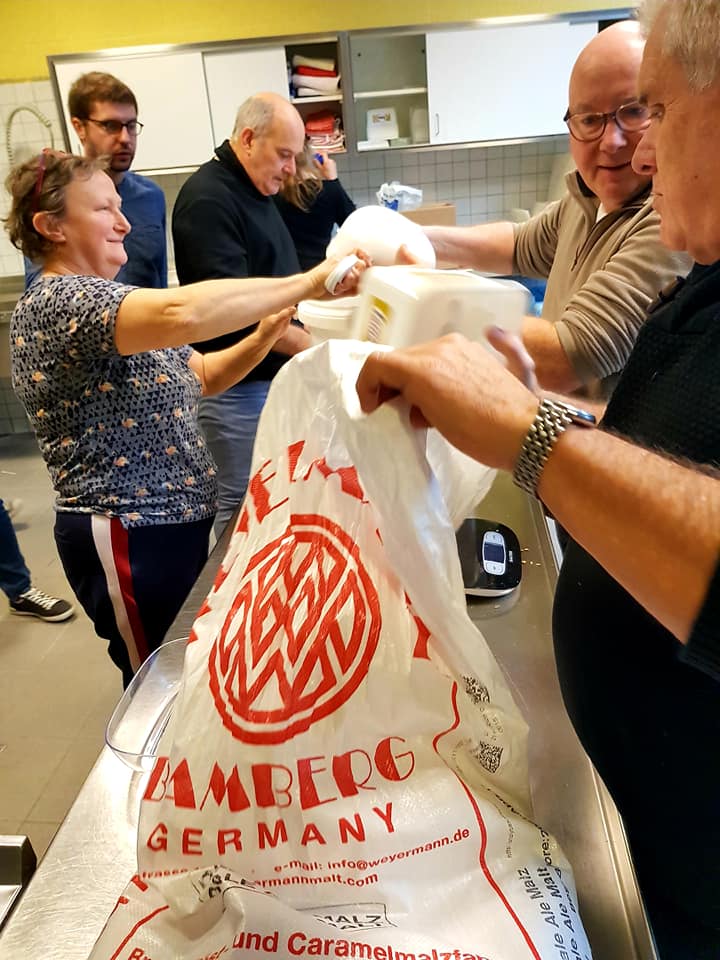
x=225 y=224
x=599 y=247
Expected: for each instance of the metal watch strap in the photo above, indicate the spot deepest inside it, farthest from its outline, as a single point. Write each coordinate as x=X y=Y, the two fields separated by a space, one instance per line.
x=551 y=420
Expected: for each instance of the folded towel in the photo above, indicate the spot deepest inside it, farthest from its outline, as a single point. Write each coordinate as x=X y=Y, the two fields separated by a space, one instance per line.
x=311 y=92
x=320 y=63
x=330 y=144
x=314 y=72
x=322 y=122
x=325 y=135
x=322 y=143
x=318 y=85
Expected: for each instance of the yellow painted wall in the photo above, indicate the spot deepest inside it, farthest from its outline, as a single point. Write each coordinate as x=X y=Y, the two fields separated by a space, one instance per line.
x=32 y=29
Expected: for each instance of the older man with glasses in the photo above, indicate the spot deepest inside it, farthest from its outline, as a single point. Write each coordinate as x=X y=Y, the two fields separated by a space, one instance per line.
x=599 y=247
x=104 y=116
x=636 y=617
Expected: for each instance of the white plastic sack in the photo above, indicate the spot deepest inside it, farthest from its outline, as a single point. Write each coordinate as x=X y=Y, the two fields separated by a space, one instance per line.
x=344 y=773
x=398 y=196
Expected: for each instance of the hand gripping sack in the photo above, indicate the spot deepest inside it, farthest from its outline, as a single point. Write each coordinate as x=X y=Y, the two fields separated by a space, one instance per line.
x=344 y=773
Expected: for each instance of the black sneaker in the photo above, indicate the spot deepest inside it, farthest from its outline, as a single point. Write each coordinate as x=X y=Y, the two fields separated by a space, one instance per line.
x=35 y=603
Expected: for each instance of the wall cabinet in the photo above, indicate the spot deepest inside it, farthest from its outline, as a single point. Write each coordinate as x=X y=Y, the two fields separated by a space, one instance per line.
x=188 y=99
x=474 y=84
x=234 y=75
x=172 y=101
x=328 y=103
x=389 y=71
x=501 y=83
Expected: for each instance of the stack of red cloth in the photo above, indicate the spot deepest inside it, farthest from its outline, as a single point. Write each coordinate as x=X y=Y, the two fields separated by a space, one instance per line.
x=314 y=76
x=324 y=131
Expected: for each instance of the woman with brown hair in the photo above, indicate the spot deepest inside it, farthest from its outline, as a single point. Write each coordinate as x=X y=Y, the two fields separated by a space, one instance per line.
x=311 y=203
x=111 y=389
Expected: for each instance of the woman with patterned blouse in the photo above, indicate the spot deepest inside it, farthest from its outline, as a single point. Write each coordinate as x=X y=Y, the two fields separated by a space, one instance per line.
x=112 y=391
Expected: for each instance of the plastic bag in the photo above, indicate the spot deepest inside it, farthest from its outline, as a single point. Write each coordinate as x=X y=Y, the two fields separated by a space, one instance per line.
x=344 y=773
x=398 y=196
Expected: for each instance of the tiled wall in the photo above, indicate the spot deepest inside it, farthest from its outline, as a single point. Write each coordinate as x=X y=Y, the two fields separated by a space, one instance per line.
x=484 y=183
x=28 y=136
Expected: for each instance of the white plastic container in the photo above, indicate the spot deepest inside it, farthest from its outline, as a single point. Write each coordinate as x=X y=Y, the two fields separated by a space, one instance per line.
x=328 y=319
x=381 y=232
x=400 y=306
x=382 y=123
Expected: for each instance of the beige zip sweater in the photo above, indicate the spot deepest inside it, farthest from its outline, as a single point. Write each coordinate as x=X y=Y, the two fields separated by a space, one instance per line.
x=601 y=276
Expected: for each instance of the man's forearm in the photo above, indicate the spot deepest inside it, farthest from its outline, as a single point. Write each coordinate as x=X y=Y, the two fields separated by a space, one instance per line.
x=487 y=247
x=552 y=366
x=652 y=523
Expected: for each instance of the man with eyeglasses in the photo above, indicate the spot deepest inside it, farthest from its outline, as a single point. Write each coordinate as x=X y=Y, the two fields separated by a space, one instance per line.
x=599 y=247
x=104 y=112
x=636 y=615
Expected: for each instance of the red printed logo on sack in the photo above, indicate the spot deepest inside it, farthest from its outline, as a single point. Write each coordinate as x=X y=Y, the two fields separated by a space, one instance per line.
x=300 y=635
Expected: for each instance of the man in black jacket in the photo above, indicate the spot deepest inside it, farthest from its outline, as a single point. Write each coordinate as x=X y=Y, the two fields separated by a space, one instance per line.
x=225 y=224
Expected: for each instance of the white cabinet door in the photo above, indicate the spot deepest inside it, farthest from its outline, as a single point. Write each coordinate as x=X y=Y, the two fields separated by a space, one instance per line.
x=501 y=83
x=234 y=75
x=172 y=104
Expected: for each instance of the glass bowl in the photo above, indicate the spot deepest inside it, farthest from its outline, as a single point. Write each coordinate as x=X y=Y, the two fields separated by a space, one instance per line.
x=142 y=714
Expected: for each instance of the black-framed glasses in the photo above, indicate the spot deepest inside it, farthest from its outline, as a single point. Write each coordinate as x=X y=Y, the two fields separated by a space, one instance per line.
x=115 y=127
x=631 y=117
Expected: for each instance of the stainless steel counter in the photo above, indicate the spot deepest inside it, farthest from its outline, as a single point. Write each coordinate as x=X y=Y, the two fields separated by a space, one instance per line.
x=93 y=853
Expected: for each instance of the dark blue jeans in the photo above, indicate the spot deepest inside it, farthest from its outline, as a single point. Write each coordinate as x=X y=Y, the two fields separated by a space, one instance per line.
x=229 y=422
x=14 y=575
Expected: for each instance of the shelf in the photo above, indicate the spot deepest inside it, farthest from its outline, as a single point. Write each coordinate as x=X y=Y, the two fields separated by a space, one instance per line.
x=401 y=92
x=403 y=146
x=319 y=99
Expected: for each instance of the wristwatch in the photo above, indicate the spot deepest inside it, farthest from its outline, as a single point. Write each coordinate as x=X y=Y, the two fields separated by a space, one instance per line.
x=552 y=419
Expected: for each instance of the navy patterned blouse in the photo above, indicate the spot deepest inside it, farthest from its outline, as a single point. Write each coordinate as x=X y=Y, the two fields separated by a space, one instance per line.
x=119 y=433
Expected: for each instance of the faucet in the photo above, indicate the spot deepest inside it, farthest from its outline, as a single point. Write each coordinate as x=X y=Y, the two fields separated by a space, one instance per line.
x=8 y=124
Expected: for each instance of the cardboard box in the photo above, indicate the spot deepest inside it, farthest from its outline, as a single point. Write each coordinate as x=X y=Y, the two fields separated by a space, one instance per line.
x=433 y=214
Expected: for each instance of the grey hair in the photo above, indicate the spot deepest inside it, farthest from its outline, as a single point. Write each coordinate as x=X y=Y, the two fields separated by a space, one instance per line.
x=256 y=113
x=691 y=35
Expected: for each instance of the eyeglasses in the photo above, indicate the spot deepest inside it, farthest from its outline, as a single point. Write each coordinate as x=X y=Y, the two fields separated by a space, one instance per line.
x=114 y=127
x=630 y=117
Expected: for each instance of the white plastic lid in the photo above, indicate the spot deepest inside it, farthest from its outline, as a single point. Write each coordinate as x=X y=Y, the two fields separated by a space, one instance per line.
x=328 y=314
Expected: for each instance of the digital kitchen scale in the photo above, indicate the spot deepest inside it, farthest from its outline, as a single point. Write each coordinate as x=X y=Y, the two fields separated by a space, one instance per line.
x=489 y=556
